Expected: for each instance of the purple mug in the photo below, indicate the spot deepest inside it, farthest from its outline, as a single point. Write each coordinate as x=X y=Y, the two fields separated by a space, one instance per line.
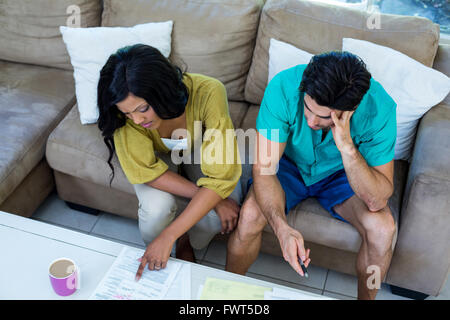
x=64 y=276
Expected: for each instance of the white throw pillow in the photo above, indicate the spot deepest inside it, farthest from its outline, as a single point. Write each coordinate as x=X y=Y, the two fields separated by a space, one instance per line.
x=283 y=56
x=415 y=87
x=90 y=48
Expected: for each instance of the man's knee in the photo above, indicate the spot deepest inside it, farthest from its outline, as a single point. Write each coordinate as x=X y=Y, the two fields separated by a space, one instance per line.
x=379 y=228
x=251 y=219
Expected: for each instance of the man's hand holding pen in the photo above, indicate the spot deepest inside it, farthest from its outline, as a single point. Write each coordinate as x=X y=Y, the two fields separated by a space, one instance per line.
x=292 y=246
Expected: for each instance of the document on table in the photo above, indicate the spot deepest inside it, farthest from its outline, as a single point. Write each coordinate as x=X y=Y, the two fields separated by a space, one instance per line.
x=181 y=286
x=219 y=289
x=119 y=282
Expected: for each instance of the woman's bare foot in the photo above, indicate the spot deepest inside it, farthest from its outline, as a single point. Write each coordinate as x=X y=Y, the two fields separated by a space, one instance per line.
x=184 y=250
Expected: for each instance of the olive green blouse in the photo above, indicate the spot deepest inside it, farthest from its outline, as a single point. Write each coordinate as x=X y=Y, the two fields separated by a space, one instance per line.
x=207 y=103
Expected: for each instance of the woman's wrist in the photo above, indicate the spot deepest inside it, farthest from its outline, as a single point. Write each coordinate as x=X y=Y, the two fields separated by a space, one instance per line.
x=169 y=235
x=219 y=204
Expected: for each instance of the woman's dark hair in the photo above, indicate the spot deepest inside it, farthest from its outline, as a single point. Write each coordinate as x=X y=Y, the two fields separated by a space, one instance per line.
x=337 y=80
x=143 y=71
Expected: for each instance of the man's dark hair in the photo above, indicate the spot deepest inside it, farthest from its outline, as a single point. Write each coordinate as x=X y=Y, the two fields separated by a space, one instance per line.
x=337 y=80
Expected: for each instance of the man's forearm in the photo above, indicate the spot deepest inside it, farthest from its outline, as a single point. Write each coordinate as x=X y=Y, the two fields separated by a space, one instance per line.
x=271 y=200
x=368 y=184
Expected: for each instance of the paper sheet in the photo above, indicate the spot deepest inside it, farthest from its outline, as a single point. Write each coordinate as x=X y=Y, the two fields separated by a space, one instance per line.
x=119 y=282
x=199 y=292
x=219 y=289
x=181 y=286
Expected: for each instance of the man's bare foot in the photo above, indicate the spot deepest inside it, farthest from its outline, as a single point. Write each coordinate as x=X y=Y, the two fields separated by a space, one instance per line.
x=184 y=250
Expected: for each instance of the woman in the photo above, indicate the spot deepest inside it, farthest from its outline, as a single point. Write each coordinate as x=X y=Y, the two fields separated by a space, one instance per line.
x=143 y=99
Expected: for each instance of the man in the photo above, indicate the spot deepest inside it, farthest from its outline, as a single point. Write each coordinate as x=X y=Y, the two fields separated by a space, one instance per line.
x=331 y=130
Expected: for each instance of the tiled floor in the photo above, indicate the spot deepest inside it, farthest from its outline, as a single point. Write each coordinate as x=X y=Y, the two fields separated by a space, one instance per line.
x=267 y=267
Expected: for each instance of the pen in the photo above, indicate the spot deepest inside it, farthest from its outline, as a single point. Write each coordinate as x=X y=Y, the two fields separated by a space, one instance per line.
x=305 y=271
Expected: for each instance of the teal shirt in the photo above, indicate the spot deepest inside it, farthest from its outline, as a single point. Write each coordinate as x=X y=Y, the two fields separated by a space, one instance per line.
x=373 y=127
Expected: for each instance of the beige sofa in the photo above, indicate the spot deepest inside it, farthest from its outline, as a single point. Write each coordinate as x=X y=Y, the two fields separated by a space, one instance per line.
x=36 y=93
x=229 y=40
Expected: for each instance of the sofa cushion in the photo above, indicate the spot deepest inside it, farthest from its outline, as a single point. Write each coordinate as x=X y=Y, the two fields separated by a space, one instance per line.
x=33 y=100
x=78 y=150
x=29 y=29
x=317 y=27
x=212 y=37
x=315 y=223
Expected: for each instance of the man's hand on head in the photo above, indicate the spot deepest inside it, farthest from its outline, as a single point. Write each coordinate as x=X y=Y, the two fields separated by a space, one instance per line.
x=341 y=131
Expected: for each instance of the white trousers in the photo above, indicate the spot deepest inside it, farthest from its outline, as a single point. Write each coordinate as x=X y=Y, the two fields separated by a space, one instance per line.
x=157 y=209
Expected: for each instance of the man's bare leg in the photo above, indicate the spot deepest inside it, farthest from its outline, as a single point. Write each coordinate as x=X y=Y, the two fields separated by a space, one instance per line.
x=245 y=241
x=377 y=231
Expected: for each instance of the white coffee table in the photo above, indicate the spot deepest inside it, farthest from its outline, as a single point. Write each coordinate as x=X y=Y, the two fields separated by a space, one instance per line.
x=28 y=246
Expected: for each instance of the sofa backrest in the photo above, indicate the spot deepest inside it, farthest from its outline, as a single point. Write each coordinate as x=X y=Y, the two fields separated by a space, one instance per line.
x=212 y=37
x=29 y=29
x=316 y=27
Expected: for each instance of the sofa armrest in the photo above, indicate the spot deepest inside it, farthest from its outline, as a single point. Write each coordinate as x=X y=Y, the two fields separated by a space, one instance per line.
x=442 y=63
x=422 y=254
x=432 y=147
